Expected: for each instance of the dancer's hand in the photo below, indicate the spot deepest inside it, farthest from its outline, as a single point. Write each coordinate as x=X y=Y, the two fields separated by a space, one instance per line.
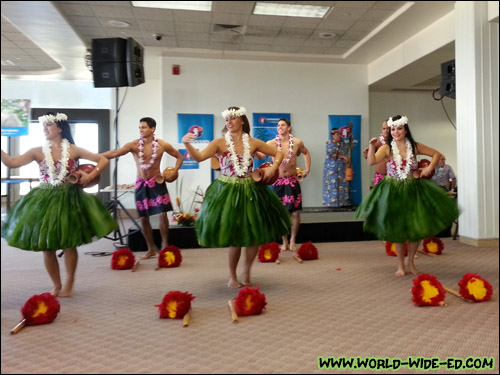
x=188 y=138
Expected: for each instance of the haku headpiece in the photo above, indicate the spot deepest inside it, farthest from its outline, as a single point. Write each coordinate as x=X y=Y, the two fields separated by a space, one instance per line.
x=234 y=112
x=51 y=118
x=402 y=121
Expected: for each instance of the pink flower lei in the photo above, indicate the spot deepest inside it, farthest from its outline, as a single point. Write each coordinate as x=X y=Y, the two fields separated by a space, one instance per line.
x=154 y=143
x=290 y=147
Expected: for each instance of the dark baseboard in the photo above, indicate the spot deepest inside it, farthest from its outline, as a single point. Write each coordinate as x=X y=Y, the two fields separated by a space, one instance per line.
x=185 y=237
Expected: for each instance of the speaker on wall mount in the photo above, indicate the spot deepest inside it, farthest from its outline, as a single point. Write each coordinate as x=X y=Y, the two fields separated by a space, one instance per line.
x=447 y=87
x=110 y=74
x=108 y=50
x=117 y=62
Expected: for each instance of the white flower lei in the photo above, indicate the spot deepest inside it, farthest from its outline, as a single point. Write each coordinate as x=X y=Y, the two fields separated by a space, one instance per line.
x=65 y=146
x=239 y=169
x=234 y=112
x=397 y=158
x=51 y=118
x=402 y=121
x=154 y=143
x=290 y=147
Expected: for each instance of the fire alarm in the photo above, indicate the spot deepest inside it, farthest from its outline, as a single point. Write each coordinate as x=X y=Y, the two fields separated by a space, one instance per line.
x=176 y=70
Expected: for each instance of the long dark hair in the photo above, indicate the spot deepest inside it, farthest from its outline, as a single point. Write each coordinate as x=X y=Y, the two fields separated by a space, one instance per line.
x=64 y=126
x=408 y=135
x=246 y=123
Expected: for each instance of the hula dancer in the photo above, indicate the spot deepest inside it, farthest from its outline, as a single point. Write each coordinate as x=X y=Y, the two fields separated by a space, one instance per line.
x=151 y=197
x=57 y=214
x=402 y=208
x=287 y=187
x=238 y=212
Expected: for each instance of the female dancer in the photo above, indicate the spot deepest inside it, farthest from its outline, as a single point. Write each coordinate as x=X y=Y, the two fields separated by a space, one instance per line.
x=403 y=207
x=57 y=214
x=238 y=212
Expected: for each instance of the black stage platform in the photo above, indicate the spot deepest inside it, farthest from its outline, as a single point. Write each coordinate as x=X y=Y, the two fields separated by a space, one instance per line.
x=319 y=224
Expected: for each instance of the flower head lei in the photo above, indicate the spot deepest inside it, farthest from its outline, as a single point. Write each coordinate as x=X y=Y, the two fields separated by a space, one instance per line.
x=402 y=121
x=242 y=168
x=290 y=147
x=397 y=158
x=51 y=118
x=154 y=143
x=234 y=112
x=59 y=179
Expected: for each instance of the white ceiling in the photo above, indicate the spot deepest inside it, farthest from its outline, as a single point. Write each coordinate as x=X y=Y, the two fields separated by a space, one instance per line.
x=49 y=40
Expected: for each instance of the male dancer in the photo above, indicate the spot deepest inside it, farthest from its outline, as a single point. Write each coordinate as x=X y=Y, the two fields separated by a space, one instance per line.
x=380 y=168
x=287 y=186
x=151 y=198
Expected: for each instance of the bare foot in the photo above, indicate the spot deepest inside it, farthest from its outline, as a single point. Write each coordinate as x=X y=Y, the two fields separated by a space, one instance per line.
x=245 y=276
x=284 y=247
x=400 y=272
x=149 y=254
x=413 y=269
x=233 y=283
x=293 y=247
x=55 y=292
x=66 y=293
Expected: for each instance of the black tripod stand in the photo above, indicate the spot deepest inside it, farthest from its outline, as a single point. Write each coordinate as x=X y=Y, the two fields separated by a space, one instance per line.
x=114 y=204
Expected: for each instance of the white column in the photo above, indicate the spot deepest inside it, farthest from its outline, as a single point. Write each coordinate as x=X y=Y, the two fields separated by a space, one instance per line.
x=476 y=61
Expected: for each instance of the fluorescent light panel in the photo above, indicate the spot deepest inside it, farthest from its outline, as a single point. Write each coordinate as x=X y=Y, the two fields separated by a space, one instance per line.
x=290 y=10
x=180 y=5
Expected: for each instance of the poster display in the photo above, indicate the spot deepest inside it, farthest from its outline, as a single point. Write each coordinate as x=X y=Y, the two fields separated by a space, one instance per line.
x=15 y=117
x=264 y=128
x=200 y=125
x=189 y=162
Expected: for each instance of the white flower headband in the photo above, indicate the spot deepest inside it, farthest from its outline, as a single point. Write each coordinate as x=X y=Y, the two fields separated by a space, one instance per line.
x=234 y=112
x=402 y=121
x=51 y=118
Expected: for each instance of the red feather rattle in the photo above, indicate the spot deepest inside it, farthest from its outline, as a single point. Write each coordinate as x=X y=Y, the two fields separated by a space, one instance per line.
x=39 y=309
x=170 y=256
x=248 y=302
x=124 y=259
x=176 y=305
x=269 y=253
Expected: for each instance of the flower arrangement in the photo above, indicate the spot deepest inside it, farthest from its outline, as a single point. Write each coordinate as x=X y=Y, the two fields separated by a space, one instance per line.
x=188 y=217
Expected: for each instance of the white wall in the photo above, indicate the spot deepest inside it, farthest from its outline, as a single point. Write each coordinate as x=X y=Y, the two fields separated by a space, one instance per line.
x=427 y=119
x=309 y=92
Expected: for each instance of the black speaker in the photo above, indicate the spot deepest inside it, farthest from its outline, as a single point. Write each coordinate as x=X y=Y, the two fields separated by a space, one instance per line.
x=447 y=87
x=135 y=52
x=135 y=74
x=448 y=69
x=117 y=62
x=110 y=74
x=109 y=50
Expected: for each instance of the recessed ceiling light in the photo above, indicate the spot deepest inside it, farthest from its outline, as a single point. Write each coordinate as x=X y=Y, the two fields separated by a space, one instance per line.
x=326 y=35
x=291 y=10
x=116 y=23
x=181 y=5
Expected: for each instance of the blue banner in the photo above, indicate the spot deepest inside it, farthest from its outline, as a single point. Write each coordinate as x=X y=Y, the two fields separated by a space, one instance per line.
x=201 y=125
x=350 y=131
x=189 y=162
x=265 y=128
x=15 y=117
